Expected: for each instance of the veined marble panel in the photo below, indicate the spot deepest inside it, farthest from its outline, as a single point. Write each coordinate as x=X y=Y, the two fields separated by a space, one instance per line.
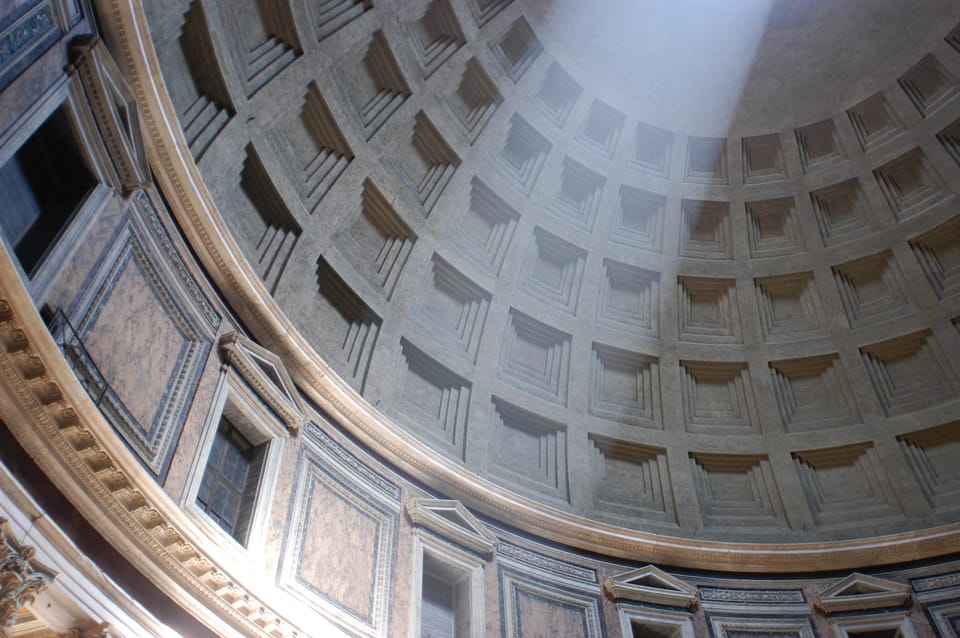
x=342 y=537
x=146 y=331
x=532 y=607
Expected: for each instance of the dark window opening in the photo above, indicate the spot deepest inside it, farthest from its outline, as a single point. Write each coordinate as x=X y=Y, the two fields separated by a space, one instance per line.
x=444 y=600
x=642 y=630
x=41 y=187
x=229 y=487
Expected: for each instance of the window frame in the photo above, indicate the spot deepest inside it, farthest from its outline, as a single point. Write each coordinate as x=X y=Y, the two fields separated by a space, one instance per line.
x=66 y=93
x=247 y=413
x=471 y=569
x=449 y=534
x=253 y=456
x=678 y=621
x=897 y=620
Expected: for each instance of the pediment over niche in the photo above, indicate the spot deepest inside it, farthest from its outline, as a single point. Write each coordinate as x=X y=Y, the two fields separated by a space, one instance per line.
x=114 y=109
x=652 y=585
x=859 y=592
x=265 y=374
x=451 y=520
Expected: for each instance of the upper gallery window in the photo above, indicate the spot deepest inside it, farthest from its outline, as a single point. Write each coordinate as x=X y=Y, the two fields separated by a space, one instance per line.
x=41 y=187
x=228 y=490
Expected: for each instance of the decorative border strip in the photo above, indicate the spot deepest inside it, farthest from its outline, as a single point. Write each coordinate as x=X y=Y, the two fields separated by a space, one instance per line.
x=945 y=617
x=936 y=582
x=25 y=39
x=349 y=462
x=158 y=232
x=764 y=596
x=545 y=563
x=722 y=625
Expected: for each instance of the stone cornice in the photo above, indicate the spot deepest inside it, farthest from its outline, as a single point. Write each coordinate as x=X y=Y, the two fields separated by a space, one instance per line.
x=652 y=585
x=859 y=592
x=178 y=176
x=239 y=352
x=50 y=414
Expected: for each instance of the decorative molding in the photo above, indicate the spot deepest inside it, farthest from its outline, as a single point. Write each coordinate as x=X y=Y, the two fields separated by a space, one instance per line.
x=891 y=624
x=451 y=520
x=945 y=618
x=752 y=596
x=351 y=463
x=655 y=622
x=265 y=373
x=777 y=626
x=148 y=215
x=859 y=592
x=133 y=254
x=931 y=583
x=24 y=37
x=114 y=110
x=78 y=450
x=21 y=577
x=357 y=599
x=653 y=586
x=529 y=559
x=448 y=584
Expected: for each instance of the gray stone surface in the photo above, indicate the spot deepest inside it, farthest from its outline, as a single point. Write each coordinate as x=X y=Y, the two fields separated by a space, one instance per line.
x=697 y=274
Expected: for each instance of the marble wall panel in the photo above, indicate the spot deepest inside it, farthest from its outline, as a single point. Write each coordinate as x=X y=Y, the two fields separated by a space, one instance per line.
x=342 y=536
x=532 y=607
x=141 y=332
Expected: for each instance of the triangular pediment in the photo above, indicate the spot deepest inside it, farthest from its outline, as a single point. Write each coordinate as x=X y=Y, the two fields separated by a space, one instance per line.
x=652 y=585
x=859 y=592
x=265 y=374
x=114 y=109
x=451 y=520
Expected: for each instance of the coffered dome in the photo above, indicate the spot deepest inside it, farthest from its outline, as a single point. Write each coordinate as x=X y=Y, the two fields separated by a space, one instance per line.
x=682 y=269
x=479 y=317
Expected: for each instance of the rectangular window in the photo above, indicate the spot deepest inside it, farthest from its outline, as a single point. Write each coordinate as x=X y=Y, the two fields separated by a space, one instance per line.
x=445 y=600
x=641 y=621
x=41 y=187
x=228 y=490
x=647 y=630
